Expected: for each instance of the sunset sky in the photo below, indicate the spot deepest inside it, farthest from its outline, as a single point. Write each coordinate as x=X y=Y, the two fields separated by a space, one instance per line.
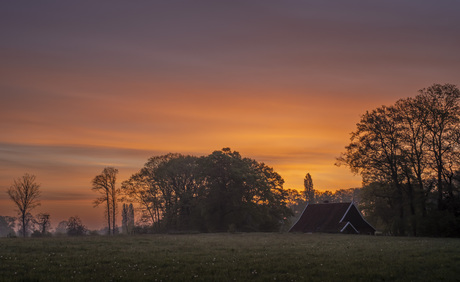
x=89 y=84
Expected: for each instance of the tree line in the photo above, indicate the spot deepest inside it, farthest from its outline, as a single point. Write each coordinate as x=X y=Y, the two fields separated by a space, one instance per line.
x=25 y=193
x=172 y=193
x=219 y=192
x=297 y=200
x=408 y=156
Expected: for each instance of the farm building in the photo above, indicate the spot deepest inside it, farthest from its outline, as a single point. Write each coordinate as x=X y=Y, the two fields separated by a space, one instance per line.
x=332 y=218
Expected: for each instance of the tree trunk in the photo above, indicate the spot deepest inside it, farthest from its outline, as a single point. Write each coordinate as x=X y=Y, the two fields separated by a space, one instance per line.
x=108 y=212
x=23 y=225
x=413 y=220
x=113 y=212
x=401 y=227
x=440 y=188
x=422 y=196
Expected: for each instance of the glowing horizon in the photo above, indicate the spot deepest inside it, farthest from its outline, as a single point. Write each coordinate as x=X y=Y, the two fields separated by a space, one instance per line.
x=89 y=85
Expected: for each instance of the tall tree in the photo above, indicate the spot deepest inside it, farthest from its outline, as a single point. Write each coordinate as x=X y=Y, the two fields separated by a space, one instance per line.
x=219 y=192
x=105 y=184
x=181 y=188
x=25 y=193
x=309 y=191
x=375 y=151
x=413 y=119
x=141 y=189
x=408 y=154
x=441 y=102
x=242 y=194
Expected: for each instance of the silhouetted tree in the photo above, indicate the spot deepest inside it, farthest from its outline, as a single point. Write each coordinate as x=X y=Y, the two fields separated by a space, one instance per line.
x=140 y=189
x=242 y=194
x=309 y=191
x=143 y=189
x=411 y=149
x=75 y=227
x=104 y=183
x=379 y=203
x=127 y=221
x=29 y=224
x=295 y=201
x=219 y=192
x=180 y=184
x=441 y=102
x=25 y=193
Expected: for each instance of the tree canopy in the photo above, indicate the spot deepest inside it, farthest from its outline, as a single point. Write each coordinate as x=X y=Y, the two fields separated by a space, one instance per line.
x=408 y=157
x=219 y=192
x=25 y=193
x=104 y=183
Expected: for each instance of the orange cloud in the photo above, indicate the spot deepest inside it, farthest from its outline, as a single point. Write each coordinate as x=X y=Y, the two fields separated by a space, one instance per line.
x=281 y=82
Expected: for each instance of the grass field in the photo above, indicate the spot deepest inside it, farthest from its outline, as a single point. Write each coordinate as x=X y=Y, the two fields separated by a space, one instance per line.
x=230 y=257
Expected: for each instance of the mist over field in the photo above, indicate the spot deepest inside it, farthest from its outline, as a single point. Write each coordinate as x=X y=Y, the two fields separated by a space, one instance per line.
x=229 y=257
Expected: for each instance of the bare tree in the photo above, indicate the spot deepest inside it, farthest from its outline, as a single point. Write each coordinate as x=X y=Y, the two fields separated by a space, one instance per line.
x=409 y=153
x=104 y=183
x=25 y=193
x=43 y=222
x=442 y=103
x=140 y=189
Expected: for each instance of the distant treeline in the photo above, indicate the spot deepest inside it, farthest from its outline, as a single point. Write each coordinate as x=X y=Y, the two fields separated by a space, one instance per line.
x=408 y=155
x=297 y=201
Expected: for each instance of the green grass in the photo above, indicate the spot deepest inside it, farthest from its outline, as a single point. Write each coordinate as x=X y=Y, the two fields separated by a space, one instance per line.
x=230 y=257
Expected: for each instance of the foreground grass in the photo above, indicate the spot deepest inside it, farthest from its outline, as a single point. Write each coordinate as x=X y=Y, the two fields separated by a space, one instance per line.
x=230 y=257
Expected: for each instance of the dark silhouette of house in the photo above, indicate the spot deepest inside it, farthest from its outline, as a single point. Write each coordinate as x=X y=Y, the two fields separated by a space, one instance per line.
x=332 y=218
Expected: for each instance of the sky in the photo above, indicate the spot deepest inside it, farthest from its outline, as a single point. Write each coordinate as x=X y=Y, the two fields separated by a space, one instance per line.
x=90 y=84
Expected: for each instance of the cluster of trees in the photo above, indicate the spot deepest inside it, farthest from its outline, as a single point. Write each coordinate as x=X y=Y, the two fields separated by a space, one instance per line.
x=25 y=193
x=105 y=184
x=75 y=227
x=219 y=192
x=408 y=156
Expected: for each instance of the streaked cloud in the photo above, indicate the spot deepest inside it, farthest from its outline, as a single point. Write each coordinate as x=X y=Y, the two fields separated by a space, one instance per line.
x=92 y=84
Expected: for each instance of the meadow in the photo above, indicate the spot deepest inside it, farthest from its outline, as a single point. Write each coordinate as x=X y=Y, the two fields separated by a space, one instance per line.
x=230 y=257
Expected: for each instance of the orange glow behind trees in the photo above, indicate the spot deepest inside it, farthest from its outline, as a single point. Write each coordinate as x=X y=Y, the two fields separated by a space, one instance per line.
x=88 y=86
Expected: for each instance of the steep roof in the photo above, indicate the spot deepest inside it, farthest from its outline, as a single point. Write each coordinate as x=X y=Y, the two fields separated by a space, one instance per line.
x=332 y=218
